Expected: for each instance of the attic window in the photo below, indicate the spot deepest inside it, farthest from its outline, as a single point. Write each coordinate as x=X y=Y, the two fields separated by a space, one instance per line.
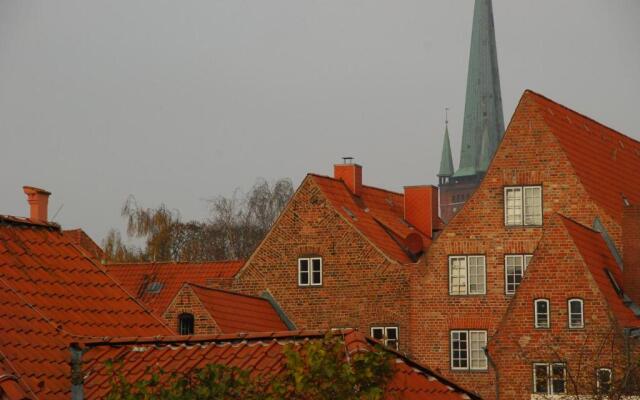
x=614 y=283
x=154 y=287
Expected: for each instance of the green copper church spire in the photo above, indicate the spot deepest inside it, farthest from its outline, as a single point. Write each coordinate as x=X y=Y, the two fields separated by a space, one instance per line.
x=446 y=161
x=483 y=103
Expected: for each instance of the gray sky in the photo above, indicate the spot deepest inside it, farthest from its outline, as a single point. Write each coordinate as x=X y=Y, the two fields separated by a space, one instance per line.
x=178 y=101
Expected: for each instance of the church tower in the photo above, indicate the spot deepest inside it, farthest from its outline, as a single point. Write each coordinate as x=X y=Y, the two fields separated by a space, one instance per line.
x=483 y=125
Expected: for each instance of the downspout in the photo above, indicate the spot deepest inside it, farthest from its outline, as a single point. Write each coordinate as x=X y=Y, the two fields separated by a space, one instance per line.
x=77 y=392
x=495 y=368
x=629 y=333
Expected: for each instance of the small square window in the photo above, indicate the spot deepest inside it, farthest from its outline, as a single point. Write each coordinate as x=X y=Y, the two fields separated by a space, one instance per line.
x=549 y=378
x=310 y=271
x=388 y=335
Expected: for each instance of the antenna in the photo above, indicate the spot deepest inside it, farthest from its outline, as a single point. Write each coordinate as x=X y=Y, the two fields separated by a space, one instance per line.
x=57 y=212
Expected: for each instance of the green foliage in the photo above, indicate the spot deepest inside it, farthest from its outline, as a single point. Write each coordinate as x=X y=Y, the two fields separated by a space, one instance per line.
x=313 y=370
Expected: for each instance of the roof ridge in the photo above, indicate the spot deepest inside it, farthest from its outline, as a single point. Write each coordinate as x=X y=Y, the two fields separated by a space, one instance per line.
x=170 y=262
x=569 y=219
x=363 y=185
x=529 y=91
x=225 y=291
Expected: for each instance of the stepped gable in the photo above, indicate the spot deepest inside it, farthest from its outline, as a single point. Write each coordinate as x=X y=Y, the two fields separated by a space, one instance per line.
x=235 y=312
x=377 y=214
x=157 y=283
x=597 y=256
x=606 y=161
x=260 y=354
x=51 y=293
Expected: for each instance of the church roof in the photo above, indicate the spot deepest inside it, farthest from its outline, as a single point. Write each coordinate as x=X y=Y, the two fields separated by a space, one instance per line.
x=446 y=161
x=483 y=103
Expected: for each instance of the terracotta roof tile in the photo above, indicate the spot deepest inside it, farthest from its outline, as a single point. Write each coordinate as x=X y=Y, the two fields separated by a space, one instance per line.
x=597 y=256
x=377 y=213
x=236 y=312
x=136 y=277
x=257 y=353
x=51 y=294
x=605 y=160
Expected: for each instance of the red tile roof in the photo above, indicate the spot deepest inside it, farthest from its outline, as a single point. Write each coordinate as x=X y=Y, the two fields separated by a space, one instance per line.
x=258 y=353
x=236 y=312
x=51 y=294
x=606 y=161
x=135 y=277
x=598 y=258
x=377 y=214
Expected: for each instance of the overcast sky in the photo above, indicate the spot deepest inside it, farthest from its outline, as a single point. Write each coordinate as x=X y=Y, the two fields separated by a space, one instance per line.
x=179 y=101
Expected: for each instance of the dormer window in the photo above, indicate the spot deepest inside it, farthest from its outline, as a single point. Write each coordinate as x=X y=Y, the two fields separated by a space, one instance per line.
x=523 y=205
x=310 y=271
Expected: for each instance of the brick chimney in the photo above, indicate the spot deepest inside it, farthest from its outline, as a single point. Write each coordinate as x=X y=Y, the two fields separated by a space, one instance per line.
x=421 y=207
x=38 y=203
x=631 y=252
x=350 y=174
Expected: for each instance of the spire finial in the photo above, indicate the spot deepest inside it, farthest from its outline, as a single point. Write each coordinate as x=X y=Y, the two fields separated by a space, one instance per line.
x=446 y=116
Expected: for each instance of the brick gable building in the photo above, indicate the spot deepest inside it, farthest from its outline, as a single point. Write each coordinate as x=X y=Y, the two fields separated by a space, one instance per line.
x=551 y=160
x=340 y=254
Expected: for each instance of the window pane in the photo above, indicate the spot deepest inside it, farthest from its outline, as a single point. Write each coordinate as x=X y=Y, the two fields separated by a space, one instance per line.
x=303 y=271
x=542 y=314
x=541 y=378
x=392 y=333
x=476 y=274
x=513 y=206
x=514 y=271
x=316 y=276
x=457 y=275
x=377 y=333
x=533 y=205
x=478 y=341
x=459 y=349
x=557 y=378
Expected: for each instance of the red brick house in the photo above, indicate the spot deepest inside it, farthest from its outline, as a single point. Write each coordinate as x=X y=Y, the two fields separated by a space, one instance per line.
x=340 y=253
x=257 y=353
x=551 y=160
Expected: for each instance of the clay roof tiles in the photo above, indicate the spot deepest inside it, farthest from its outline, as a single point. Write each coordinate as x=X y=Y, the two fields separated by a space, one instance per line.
x=606 y=161
x=51 y=294
x=258 y=353
x=377 y=214
x=170 y=276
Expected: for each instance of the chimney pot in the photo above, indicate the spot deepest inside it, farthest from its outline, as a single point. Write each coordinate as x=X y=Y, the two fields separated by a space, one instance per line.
x=631 y=252
x=421 y=208
x=38 y=203
x=351 y=174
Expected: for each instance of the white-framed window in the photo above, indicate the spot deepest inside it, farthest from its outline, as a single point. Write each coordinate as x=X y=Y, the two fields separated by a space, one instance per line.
x=523 y=205
x=310 y=271
x=541 y=310
x=467 y=275
x=387 y=335
x=575 y=308
x=514 y=267
x=549 y=378
x=604 y=380
x=467 y=350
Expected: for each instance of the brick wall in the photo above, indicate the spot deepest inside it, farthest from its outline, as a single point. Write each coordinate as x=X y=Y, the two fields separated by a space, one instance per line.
x=528 y=155
x=360 y=288
x=186 y=301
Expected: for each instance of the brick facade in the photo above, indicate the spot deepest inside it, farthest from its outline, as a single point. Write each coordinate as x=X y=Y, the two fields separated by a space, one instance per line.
x=361 y=286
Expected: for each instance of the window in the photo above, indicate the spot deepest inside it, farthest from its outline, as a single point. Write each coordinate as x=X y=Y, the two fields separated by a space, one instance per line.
x=388 y=335
x=523 y=205
x=154 y=287
x=310 y=271
x=514 y=267
x=549 y=378
x=186 y=324
x=467 y=275
x=576 y=314
x=467 y=350
x=541 y=309
x=604 y=379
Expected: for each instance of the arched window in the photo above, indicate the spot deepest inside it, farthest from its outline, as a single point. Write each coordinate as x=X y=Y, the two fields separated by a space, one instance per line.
x=541 y=311
x=186 y=324
x=576 y=314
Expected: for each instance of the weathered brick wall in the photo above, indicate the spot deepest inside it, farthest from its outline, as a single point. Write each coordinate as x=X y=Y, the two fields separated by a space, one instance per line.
x=360 y=289
x=557 y=273
x=186 y=301
x=528 y=155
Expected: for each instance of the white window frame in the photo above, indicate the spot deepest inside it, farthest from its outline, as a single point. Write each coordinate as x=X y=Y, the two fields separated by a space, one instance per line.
x=570 y=314
x=521 y=204
x=474 y=350
x=525 y=259
x=598 y=381
x=466 y=290
x=550 y=380
x=393 y=343
x=309 y=272
x=536 y=323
